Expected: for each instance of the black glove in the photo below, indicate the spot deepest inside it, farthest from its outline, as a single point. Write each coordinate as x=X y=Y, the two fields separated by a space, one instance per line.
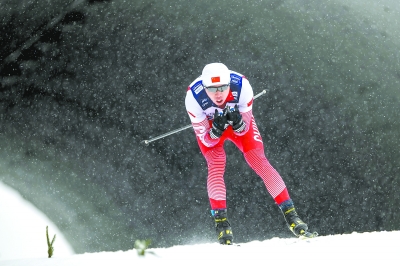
x=219 y=124
x=235 y=119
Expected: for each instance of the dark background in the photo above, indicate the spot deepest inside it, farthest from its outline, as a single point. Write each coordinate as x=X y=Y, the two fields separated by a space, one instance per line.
x=84 y=82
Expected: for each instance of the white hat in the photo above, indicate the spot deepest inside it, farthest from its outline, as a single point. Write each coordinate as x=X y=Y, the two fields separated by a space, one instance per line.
x=215 y=74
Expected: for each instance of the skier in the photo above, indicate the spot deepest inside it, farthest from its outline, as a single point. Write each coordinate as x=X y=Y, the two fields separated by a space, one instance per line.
x=219 y=104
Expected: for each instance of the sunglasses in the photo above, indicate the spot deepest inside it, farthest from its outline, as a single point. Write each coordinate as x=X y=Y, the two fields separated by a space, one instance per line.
x=220 y=88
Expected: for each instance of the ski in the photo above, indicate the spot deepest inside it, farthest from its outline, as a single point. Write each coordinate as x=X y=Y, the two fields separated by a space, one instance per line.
x=308 y=235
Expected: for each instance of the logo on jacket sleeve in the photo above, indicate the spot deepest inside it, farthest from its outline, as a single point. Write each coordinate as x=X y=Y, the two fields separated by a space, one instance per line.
x=197 y=88
x=235 y=95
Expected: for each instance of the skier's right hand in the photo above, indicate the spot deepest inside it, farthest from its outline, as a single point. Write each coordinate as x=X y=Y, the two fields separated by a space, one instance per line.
x=235 y=119
x=219 y=124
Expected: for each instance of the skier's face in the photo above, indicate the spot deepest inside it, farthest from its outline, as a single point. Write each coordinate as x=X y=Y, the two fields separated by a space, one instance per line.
x=219 y=96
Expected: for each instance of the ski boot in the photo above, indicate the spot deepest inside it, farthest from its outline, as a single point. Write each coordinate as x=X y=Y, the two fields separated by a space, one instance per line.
x=222 y=227
x=295 y=224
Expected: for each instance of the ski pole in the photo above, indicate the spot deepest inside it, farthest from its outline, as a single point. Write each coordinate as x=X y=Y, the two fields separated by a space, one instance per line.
x=147 y=141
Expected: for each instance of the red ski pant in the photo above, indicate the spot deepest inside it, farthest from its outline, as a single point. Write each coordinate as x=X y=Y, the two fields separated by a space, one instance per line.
x=252 y=147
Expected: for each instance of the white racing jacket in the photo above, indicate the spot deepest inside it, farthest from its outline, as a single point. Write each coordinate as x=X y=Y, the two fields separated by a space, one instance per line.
x=201 y=108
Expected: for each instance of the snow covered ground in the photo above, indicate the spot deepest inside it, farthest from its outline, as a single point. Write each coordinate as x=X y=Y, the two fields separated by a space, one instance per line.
x=347 y=249
x=351 y=249
x=23 y=229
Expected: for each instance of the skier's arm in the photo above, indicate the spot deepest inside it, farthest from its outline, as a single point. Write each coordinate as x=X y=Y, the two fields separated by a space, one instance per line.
x=200 y=123
x=247 y=121
x=202 y=131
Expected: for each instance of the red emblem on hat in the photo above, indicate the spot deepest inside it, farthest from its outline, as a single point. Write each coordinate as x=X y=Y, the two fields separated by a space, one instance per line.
x=215 y=79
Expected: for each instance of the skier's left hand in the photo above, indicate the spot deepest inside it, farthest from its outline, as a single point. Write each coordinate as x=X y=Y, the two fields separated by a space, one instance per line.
x=235 y=119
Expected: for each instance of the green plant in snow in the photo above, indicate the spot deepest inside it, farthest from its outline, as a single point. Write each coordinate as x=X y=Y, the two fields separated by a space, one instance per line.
x=141 y=246
x=50 y=249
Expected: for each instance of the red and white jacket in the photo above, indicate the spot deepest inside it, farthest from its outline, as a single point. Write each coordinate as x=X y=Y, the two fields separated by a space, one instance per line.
x=201 y=109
